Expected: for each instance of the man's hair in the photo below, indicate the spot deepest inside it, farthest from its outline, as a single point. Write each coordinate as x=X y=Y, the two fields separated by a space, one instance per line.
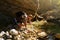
x=20 y=13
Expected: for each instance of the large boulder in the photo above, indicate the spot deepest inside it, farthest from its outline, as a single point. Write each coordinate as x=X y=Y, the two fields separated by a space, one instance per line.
x=10 y=7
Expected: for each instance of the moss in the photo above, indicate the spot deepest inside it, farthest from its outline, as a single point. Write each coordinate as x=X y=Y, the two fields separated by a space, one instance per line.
x=50 y=27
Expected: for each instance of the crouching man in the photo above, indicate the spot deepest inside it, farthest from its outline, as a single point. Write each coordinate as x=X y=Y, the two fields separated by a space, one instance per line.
x=21 y=20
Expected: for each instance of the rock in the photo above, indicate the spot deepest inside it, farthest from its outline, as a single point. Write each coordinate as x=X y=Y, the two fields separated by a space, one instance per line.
x=42 y=34
x=10 y=7
x=13 y=32
x=1 y=38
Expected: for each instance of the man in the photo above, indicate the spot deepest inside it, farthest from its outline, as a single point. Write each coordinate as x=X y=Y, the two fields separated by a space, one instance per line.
x=21 y=19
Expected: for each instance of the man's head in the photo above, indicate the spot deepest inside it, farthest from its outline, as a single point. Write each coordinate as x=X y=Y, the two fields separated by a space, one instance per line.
x=21 y=16
x=20 y=13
